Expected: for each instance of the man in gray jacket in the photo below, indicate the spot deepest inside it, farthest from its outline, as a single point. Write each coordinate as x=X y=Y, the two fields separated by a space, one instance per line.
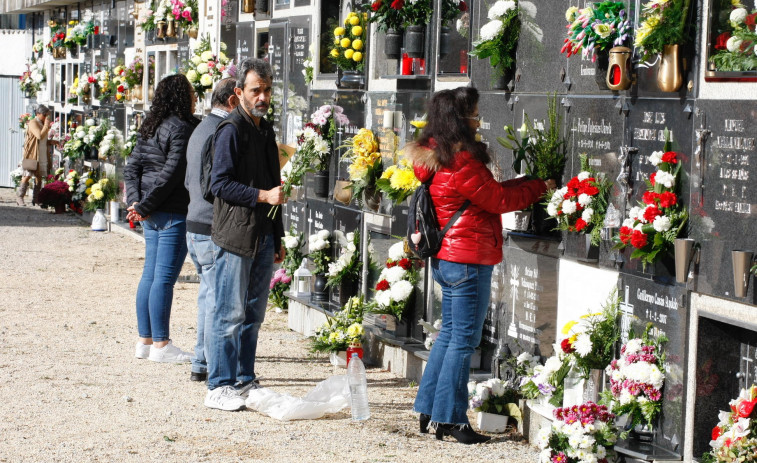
x=200 y=217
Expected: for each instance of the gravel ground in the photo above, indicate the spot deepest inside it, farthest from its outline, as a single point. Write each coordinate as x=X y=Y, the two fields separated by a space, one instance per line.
x=73 y=391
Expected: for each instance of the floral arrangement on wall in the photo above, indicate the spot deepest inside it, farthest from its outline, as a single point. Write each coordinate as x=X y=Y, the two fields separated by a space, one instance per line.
x=364 y=160
x=112 y=144
x=596 y=28
x=100 y=192
x=396 y=282
x=661 y=23
x=386 y=14
x=319 y=246
x=349 y=42
x=498 y=38
x=204 y=68
x=580 y=433
x=494 y=396
x=339 y=331
x=735 y=436
x=736 y=38
x=33 y=78
x=398 y=181
x=546 y=381
x=348 y=265
x=589 y=342
x=282 y=278
x=77 y=32
x=81 y=87
x=23 y=120
x=57 y=36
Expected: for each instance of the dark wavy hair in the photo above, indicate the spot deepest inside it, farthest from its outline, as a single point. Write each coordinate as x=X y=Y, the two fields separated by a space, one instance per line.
x=174 y=95
x=449 y=127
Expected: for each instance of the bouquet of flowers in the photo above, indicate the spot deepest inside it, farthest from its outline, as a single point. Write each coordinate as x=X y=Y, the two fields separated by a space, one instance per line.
x=293 y=243
x=72 y=179
x=735 y=436
x=32 y=79
x=498 y=39
x=118 y=82
x=653 y=225
x=365 y=161
x=104 y=85
x=280 y=283
x=134 y=72
x=735 y=40
x=318 y=251
x=636 y=379
x=95 y=133
x=601 y=27
x=398 y=181
x=547 y=380
x=57 y=36
x=432 y=332
x=74 y=148
x=416 y=12
x=661 y=23
x=23 y=120
x=581 y=433
x=339 y=331
x=205 y=68
x=396 y=282
x=451 y=9
x=54 y=194
x=100 y=193
x=185 y=13
x=494 y=396
x=349 y=42
x=386 y=14
x=130 y=143
x=54 y=133
x=16 y=175
x=81 y=87
x=112 y=144
x=81 y=187
x=38 y=47
x=580 y=206
x=590 y=341
x=348 y=265
x=77 y=33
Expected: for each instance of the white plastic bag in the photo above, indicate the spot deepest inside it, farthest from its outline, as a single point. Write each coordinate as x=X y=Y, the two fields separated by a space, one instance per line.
x=328 y=396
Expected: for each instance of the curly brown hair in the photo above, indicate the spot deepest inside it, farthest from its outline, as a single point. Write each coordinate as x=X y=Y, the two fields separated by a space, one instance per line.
x=174 y=95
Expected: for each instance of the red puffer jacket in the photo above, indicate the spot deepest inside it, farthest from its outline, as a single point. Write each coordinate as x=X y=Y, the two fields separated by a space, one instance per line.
x=476 y=237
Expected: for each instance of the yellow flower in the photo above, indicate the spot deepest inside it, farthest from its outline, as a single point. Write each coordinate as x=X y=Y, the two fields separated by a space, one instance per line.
x=389 y=172
x=568 y=326
x=357 y=57
x=573 y=338
x=354 y=20
x=89 y=182
x=419 y=124
x=339 y=31
x=404 y=180
x=478 y=137
x=345 y=42
x=96 y=187
x=355 y=330
x=357 y=44
x=98 y=194
x=357 y=31
x=334 y=53
x=570 y=14
x=348 y=53
x=333 y=337
x=103 y=181
x=365 y=16
x=88 y=191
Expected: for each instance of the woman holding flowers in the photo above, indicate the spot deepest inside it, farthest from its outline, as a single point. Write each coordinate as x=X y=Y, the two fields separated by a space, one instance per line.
x=156 y=196
x=448 y=157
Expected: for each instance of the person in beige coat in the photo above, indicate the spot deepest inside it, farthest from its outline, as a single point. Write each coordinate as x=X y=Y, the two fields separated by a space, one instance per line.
x=35 y=148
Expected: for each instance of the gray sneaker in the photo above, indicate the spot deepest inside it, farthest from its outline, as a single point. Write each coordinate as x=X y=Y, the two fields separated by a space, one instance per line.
x=224 y=398
x=244 y=389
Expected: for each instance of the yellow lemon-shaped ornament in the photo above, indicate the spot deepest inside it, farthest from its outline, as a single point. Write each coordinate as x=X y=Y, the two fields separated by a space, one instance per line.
x=357 y=57
x=357 y=31
x=334 y=53
x=357 y=44
x=354 y=20
x=345 y=42
x=339 y=31
x=348 y=53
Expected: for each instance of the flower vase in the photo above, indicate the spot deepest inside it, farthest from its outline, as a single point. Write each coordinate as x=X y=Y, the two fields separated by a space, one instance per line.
x=192 y=32
x=601 y=63
x=338 y=358
x=60 y=208
x=99 y=222
x=516 y=220
x=59 y=52
x=320 y=291
x=160 y=29
x=444 y=42
x=491 y=422
x=393 y=44
x=669 y=77
x=248 y=6
x=321 y=183
x=642 y=433
x=415 y=37
x=150 y=92
x=352 y=79
x=593 y=386
x=136 y=93
x=114 y=207
x=502 y=81
x=372 y=198
x=171 y=28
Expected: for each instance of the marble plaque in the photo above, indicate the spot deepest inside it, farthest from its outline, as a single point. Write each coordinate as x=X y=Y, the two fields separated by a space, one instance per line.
x=319 y=216
x=346 y=220
x=295 y=217
x=529 y=294
x=278 y=57
x=666 y=307
x=496 y=113
x=245 y=38
x=723 y=193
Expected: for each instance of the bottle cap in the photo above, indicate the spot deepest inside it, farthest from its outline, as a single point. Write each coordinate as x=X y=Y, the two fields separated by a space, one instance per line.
x=354 y=354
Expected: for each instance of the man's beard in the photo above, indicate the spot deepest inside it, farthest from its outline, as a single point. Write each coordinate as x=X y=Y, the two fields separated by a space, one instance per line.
x=259 y=111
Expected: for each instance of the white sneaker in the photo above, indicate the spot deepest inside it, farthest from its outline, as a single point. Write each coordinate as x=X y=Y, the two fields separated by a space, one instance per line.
x=169 y=354
x=142 y=351
x=224 y=398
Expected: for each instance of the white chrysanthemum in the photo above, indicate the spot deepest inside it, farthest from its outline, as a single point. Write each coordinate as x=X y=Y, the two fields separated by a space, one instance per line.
x=552 y=365
x=733 y=44
x=497 y=386
x=401 y=290
x=583 y=176
x=319 y=245
x=574 y=440
x=545 y=455
x=583 y=344
x=471 y=387
x=324 y=234
x=587 y=214
x=738 y=15
x=394 y=274
x=601 y=452
x=656 y=157
x=552 y=209
x=665 y=178
x=89 y=122
x=661 y=223
x=500 y=9
x=584 y=199
x=206 y=80
x=384 y=298
x=397 y=251
x=196 y=60
x=202 y=68
x=568 y=207
x=542 y=439
x=633 y=346
x=525 y=357
x=587 y=442
x=321 y=146
x=291 y=242
x=482 y=391
x=491 y=30
x=37 y=76
x=207 y=55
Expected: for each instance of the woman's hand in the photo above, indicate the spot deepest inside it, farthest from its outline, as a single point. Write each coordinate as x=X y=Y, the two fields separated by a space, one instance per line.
x=133 y=215
x=551 y=184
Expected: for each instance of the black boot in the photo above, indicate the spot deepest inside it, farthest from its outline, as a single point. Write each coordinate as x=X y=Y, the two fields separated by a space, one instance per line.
x=463 y=434
x=424 y=419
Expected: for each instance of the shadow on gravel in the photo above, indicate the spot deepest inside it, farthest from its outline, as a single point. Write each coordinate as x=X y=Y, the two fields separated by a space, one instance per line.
x=12 y=215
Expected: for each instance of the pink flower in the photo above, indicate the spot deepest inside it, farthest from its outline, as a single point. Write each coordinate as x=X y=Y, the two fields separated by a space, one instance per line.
x=187 y=15
x=211 y=64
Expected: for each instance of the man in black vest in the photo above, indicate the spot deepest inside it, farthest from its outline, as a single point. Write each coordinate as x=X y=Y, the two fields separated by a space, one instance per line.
x=246 y=182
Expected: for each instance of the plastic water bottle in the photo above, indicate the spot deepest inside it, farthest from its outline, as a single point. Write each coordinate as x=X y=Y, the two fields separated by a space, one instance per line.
x=358 y=389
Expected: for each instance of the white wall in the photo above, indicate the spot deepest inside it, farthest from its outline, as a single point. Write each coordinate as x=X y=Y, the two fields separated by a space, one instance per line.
x=17 y=48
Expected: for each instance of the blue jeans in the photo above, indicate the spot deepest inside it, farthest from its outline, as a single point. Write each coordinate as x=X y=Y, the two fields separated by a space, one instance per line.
x=203 y=251
x=466 y=289
x=165 y=251
x=231 y=338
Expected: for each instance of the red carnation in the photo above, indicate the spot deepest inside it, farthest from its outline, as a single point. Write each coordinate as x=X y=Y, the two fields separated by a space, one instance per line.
x=566 y=346
x=638 y=239
x=750 y=21
x=651 y=177
x=670 y=157
x=745 y=407
x=464 y=7
x=391 y=264
x=716 y=432
x=625 y=234
x=405 y=263
x=573 y=184
x=650 y=197
x=651 y=212
x=722 y=40
x=120 y=89
x=376 y=5
x=382 y=285
x=588 y=188
x=580 y=224
x=668 y=199
x=398 y=4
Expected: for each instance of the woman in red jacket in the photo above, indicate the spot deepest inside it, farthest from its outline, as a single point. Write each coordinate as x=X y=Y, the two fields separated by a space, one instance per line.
x=449 y=152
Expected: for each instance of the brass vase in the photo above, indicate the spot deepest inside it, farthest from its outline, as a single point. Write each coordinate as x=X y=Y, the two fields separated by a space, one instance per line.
x=160 y=29
x=171 y=28
x=136 y=93
x=192 y=32
x=619 y=69
x=248 y=6
x=150 y=92
x=669 y=77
